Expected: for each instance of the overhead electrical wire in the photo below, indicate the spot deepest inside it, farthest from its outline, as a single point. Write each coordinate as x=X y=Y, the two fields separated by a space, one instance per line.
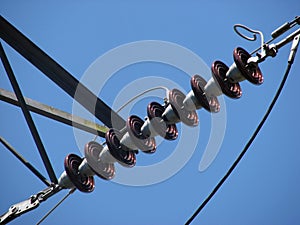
x=136 y=97
x=245 y=149
x=141 y=94
x=57 y=204
x=230 y=170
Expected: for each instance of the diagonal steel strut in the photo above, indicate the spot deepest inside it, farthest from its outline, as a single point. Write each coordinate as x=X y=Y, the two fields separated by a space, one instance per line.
x=27 y=116
x=24 y=161
x=59 y=75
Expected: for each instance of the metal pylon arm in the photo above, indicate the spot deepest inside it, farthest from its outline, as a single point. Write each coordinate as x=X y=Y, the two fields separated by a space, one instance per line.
x=59 y=75
x=33 y=130
x=55 y=114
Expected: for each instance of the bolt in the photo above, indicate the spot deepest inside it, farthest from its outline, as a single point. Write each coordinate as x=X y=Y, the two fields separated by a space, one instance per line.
x=13 y=209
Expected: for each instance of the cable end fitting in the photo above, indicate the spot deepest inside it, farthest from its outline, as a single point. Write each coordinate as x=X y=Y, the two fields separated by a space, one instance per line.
x=294 y=48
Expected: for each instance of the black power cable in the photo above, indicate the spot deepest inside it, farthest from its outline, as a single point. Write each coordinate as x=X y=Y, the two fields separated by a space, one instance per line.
x=238 y=159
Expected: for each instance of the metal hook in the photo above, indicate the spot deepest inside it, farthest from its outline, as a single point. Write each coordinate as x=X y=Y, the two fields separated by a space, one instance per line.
x=242 y=35
x=254 y=32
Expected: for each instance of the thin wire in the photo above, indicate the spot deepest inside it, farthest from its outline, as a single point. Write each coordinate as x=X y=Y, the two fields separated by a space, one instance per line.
x=233 y=166
x=141 y=94
x=137 y=96
x=61 y=201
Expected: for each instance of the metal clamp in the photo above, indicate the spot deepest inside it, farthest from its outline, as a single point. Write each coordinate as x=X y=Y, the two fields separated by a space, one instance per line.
x=33 y=202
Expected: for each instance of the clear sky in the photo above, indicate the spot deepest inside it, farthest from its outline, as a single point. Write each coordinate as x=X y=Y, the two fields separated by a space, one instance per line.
x=264 y=188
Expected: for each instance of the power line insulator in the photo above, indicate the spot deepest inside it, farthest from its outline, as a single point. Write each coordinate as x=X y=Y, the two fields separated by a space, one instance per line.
x=104 y=170
x=156 y=121
x=219 y=70
x=176 y=111
x=125 y=156
x=197 y=97
x=250 y=71
x=80 y=181
x=135 y=135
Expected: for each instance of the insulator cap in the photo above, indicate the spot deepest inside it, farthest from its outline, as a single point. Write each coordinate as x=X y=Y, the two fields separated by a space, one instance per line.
x=81 y=182
x=125 y=157
x=104 y=170
x=190 y=118
x=250 y=71
x=219 y=70
x=134 y=128
x=167 y=131
x=210 y=103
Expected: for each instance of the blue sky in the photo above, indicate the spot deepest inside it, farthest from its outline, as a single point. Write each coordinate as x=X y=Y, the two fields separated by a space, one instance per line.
x=264 y=188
